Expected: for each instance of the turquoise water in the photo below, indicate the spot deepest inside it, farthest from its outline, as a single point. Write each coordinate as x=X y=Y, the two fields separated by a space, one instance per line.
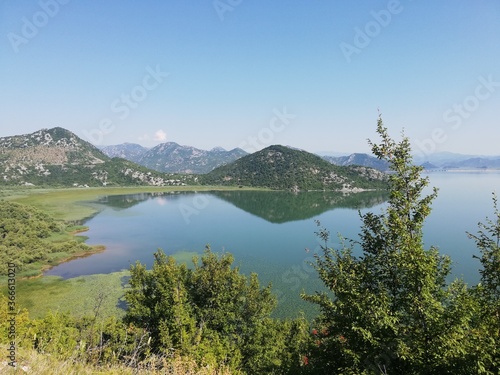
x=272 y=233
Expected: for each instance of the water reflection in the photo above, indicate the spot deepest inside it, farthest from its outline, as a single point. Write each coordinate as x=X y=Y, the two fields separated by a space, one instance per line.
x=273 y=206
x=281 y=207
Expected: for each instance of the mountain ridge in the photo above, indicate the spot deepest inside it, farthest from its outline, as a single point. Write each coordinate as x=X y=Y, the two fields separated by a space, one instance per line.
x=171 y=157
x=188 y=158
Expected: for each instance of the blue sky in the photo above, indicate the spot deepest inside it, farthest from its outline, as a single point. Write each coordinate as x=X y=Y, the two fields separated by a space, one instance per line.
x=241 y=73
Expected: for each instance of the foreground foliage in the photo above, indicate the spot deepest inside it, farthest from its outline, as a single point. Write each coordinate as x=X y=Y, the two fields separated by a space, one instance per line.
x=390 y=310
x=214 y=314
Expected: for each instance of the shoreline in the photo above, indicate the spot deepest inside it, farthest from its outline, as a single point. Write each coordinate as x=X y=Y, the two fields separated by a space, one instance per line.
x=72 y=205
x=452 y=170
x=94 y=250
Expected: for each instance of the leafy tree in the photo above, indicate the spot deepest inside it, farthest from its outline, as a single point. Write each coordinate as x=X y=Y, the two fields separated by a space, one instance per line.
x=157 y=301
x=212 y=313
x=390 y=310
x=486 y=332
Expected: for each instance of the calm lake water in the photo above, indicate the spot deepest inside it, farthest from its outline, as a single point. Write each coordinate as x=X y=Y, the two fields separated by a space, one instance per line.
x=272 y=233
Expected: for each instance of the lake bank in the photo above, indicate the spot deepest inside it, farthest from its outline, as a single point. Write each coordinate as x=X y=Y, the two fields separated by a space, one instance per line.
x=72 y=206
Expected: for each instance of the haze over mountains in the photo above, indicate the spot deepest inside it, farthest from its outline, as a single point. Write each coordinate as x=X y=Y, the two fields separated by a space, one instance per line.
x=174 y=158
x=58 y=157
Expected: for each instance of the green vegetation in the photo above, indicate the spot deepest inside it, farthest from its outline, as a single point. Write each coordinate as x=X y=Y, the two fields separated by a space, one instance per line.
x=112 y=172
x=388 y=311
x=31 y=240
x=283 y=168
x=76 y=296
x=214 y=314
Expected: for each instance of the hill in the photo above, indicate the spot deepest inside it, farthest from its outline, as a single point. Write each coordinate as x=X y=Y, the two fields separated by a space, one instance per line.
x=174 y=158
x=284 y=168
x=57 y=157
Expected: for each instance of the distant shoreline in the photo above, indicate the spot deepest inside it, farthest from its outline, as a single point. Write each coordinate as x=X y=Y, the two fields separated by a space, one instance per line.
x=461 y=170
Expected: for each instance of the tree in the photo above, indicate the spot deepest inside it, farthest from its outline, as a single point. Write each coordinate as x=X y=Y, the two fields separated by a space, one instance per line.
x=212 y=313
x=158 y=301
x=486 y=332
x=390 y=310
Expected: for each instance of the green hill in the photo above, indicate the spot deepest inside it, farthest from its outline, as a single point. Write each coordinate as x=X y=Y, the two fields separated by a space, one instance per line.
x=283 y=168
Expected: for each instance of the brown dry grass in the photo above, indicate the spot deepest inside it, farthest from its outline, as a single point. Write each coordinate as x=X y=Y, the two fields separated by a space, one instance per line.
x=31 y=362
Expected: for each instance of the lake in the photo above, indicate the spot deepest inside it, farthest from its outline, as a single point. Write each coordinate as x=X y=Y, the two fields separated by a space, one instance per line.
x=272 y=233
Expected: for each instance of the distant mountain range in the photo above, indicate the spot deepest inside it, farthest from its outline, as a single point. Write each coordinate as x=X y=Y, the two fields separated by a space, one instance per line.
x=439 y=160
x=173 y=158
x=284 y=168
x=448 y=160
x=128 y=151
x=364 y=160
x=57 y=157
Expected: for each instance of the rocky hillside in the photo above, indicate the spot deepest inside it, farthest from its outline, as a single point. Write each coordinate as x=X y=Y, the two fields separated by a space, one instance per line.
x=57 y=157
x=364 y=160
x=174 y=158
x=279 y=167
x=128 y=151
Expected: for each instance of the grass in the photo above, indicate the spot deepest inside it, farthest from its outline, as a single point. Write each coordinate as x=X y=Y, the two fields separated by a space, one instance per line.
x=31 y=362
x=77 y=296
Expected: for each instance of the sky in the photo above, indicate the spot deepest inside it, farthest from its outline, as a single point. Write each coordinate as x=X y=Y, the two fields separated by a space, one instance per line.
x=238 y=73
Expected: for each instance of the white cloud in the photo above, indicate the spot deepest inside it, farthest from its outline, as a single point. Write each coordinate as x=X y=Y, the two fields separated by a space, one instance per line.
x=160 y=136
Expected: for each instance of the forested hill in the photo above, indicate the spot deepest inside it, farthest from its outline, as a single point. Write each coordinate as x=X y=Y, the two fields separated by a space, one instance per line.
x=284 y=168
x=57 y=157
